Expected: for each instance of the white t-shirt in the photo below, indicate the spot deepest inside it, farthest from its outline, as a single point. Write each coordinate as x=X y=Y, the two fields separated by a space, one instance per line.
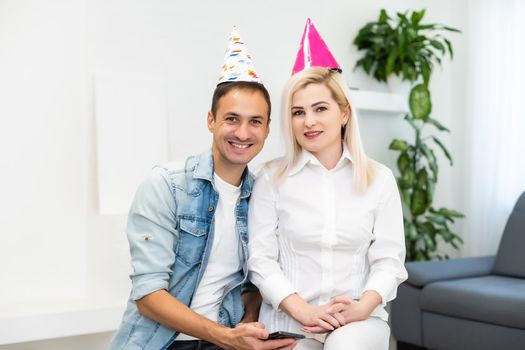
x=224 y=261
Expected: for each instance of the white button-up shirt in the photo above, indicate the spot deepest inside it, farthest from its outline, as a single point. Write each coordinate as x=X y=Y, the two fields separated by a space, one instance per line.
x=314 y=236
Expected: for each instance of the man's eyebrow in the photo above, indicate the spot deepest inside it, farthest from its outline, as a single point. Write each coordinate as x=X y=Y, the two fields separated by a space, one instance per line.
x=232 y=113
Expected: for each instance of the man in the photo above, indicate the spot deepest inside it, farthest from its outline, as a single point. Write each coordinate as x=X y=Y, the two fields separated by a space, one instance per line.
x=187 y=231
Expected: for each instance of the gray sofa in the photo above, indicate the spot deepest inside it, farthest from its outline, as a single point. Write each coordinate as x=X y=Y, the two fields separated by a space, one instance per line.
x=471 y=303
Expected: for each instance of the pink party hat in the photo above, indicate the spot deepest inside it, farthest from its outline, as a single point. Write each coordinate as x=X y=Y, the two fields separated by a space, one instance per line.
x=238 y=65
x=313 y=51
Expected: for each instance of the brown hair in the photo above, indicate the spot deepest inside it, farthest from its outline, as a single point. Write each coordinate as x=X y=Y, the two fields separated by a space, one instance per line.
x=223 y=88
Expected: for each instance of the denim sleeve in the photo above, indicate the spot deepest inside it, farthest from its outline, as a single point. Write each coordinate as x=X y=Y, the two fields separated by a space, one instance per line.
x=152 y=235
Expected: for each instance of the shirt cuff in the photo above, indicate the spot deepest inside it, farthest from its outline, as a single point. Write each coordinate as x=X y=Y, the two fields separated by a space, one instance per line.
x=384 y=284
x=147 y=284
x=275 y=288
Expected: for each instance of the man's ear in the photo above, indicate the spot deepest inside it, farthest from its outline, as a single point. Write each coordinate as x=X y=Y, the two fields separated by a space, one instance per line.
x=268 y=128
x=211 y=121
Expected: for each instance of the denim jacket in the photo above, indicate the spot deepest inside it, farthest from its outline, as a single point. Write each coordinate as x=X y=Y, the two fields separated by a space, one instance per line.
x=170 y=232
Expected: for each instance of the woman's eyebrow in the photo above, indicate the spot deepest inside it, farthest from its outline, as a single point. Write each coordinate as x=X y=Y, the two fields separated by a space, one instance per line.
x=318 y=103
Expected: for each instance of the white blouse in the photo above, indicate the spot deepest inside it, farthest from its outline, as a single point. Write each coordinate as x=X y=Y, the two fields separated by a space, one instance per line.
x=314 y=236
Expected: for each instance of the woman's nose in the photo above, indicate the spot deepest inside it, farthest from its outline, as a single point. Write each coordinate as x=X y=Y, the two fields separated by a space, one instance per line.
x=309 y=120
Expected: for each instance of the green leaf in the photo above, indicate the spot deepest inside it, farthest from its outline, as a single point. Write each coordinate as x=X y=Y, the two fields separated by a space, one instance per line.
x=446 y=235
x=403 y=162
x=402 y=18
x=426 y=26
x=449 y=46
x=408 y=177
x=450 y=212
x=438 y=219
x=411 y=231
x=398 y=145
x=383 y=16
x=419 y=202
x=419 y=101
x=417 y=16
x=406 y=194
x=438 y=45
x=437 y=124
x=428 y=228
x=431 y=186
x=431 y=158
x=444 y=149
x=452 y=29
x=430 y=242
x=422 y=179
x=392 y=56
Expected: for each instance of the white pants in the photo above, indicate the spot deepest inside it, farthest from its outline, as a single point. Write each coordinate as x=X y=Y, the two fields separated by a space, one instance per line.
x=370 y=334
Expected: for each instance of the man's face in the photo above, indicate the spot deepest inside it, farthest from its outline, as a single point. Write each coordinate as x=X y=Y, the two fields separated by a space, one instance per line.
x=239 y=127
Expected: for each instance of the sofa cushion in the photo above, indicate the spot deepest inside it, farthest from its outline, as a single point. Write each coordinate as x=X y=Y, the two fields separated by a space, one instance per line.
x=510 y=260
x=421 y=273
x=492 y=299
x=452 y=333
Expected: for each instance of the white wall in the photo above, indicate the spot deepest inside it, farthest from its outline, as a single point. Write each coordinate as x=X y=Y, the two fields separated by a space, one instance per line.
x=55 y=246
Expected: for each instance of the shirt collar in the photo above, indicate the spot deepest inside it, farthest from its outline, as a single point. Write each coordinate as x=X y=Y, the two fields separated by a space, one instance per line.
x=204 y=170
x=307 y=157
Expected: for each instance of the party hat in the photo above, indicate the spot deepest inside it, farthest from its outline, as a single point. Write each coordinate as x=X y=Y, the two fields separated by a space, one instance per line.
x=238 y=65
x=313 y=51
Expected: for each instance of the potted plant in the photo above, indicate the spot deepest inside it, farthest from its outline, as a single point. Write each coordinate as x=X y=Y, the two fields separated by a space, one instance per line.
x=403 y=47
x=407 y=48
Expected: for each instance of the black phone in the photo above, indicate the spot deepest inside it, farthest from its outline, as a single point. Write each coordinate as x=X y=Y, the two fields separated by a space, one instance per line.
x=283 y=334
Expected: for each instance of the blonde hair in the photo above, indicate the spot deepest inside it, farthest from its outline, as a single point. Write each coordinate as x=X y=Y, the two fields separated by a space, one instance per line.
x=363 y=167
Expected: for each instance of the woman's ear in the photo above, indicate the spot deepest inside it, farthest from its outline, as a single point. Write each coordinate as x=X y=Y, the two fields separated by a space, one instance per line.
x=347 y=114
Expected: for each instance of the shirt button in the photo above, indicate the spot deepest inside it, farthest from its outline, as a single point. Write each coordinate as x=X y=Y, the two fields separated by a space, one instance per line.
x=210 y=208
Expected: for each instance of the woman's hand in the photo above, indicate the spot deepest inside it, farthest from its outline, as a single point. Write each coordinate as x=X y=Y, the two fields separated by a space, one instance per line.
x=321 y=317
x=346 y=310
x=313 y=316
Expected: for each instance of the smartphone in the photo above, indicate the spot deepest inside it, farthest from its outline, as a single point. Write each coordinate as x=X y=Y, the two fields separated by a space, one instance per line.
x=283 y=334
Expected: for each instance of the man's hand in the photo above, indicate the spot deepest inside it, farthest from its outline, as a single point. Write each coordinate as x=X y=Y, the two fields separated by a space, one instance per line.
x=167 y=310
x=252 y=336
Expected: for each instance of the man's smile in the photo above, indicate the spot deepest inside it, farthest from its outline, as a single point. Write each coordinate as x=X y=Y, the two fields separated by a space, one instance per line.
x=239 y=145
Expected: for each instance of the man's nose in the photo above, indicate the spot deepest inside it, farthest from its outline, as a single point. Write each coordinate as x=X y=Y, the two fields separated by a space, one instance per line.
x=243 y=131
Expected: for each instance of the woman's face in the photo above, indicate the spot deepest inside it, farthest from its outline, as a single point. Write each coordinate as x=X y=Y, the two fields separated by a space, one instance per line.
x=317 y=120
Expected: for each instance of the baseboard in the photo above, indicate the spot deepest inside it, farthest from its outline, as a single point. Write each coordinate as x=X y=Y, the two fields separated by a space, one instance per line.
x=406 y=346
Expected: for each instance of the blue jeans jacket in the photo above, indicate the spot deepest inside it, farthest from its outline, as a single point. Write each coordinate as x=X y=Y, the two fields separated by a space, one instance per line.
x=170 y=232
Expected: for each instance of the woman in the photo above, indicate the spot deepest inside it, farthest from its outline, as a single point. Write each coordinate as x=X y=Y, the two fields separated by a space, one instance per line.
x=325 y=222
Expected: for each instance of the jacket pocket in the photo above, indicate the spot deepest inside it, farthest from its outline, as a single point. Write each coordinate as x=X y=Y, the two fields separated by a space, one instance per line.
x=193 y=234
